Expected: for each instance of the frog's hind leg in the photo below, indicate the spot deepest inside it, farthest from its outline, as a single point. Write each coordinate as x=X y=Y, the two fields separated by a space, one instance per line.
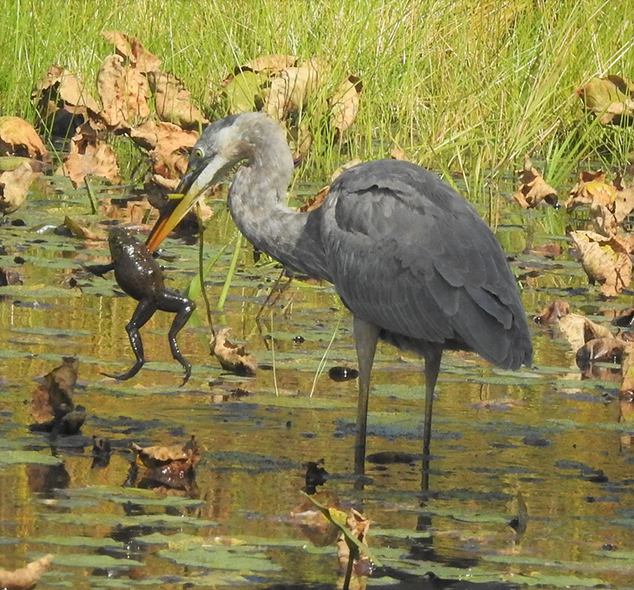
x=143 y=312
x=183 y=307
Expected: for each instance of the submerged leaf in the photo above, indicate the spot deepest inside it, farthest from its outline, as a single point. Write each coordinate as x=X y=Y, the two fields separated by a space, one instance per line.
x=244 y=92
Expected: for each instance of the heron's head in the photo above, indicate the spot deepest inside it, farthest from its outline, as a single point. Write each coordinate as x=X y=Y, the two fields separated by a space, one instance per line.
x=221 y=146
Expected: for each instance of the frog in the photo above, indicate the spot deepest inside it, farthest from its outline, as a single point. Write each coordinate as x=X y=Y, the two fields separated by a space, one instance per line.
x=139 y=275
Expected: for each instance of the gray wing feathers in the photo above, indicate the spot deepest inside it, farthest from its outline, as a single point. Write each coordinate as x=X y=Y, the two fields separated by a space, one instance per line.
x=417 y=260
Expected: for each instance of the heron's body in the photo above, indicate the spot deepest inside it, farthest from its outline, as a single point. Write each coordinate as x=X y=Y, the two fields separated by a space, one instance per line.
x=408 y=255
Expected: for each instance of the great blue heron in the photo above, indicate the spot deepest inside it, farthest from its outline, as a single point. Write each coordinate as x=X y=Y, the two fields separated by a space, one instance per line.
x=408 y=255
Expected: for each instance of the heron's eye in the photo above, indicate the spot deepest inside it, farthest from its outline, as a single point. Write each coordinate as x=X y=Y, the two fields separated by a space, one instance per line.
x=198 y=153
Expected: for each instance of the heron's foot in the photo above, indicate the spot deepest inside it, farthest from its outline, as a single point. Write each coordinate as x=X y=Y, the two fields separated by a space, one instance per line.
x=128 y=374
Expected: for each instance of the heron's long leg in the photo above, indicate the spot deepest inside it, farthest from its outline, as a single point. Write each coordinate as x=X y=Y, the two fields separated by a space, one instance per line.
x=432 y=368
x=143 y=312
x=366 y=336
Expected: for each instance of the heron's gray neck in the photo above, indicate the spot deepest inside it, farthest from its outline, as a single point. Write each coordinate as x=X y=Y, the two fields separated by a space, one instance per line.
x=257 y=200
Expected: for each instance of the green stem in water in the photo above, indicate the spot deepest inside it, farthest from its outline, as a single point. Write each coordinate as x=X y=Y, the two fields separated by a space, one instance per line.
x=232 y=267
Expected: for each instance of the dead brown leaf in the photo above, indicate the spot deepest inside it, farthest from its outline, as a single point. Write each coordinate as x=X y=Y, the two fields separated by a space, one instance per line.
x=610 y=98
x=19 y=138
x=230 y=356
x=14 y=186
x=132 y=49
x=609 y=204
x=598 y=350
x=62 y=101
x=89 y=156
x=299 y=140
x=291 y=89
x=605 y=260
x=534 y=190
x=627 y=384
x=186 y=456
x=316 y=201
x=269 y=64
x=346 y=166
x=52 y=406
x=576 y=328
x=358 y=526
x=170 y=146
x=344 y=104
x=173 y=101
x=27 y=577
x=398 y=154
x=124 y=92
x=9 y=277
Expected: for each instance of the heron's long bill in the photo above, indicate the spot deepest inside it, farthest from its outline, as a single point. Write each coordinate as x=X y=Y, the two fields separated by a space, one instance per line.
x=192 y=185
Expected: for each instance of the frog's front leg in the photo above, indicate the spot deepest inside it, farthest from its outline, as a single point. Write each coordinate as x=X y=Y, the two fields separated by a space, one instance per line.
x=143 y=312
x=173 y=302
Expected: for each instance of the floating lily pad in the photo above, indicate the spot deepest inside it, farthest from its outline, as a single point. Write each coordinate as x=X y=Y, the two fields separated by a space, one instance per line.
x=243 y=559
x=18 y=457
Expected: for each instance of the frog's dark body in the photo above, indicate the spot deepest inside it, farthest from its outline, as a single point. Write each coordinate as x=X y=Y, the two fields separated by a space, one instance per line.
x=140 y=276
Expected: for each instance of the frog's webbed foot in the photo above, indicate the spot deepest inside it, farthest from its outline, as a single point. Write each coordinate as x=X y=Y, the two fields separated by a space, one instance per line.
x=128 y=374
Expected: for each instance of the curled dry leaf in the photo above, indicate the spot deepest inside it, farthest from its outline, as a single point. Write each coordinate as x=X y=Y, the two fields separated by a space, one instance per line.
x=291 y=89
x=344 y=104
x=576 y=328
x=398 y=154
x=609 y=204
x=316 y=201
x=269 y=64
x=14 y=186
x=173 y=101
x=598 y=350
x=62 y=101
x=9 y=277
x=605 y=260
x=553 y=312
x=349 y=164
x=27 y=577
x=52 y=407
x=230 y=356
x=170 y=146
x=132 y=49
x=187 y=456
x=534 y=190
x=19 y=138
x=610 y=98
x=89 y=156
x=124 y=92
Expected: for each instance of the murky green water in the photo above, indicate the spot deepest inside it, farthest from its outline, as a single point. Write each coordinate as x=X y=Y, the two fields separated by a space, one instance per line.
x=555 y=438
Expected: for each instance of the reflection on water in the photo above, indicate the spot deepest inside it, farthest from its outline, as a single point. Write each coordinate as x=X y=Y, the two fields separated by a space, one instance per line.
x=259 y=433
